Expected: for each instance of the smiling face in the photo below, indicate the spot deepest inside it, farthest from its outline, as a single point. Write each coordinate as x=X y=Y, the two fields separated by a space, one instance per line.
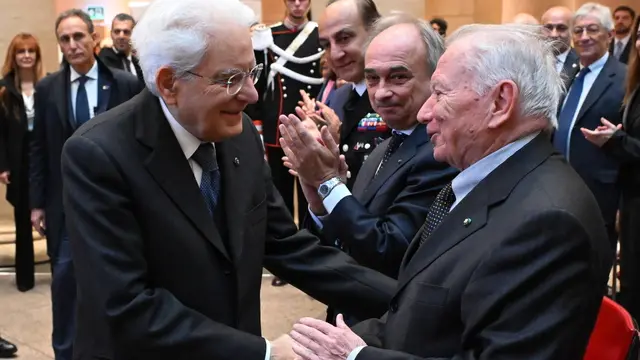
x=343 y=35
x=205 y=109
x=397 y=76
x=591 y=39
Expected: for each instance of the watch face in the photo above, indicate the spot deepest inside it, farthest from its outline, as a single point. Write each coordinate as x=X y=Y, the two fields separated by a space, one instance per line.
x=323 y=189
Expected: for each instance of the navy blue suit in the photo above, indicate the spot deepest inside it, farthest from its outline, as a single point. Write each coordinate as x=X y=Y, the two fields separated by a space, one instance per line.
x=54 y=123
x=598 y=169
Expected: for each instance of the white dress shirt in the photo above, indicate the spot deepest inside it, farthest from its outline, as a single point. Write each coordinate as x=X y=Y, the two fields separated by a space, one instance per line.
x=189 y=144
x=624 y=41
x=91 y=86
x=360 y=87
x=470 y=177
x=561 y=59
x=589 y=80
x=341 y=191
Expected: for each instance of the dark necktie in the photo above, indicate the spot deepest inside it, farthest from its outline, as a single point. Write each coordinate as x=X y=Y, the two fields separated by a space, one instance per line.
x=82 y=102
x=438 y=211
x=125 y=61
x=205 y=156
x=561 y=137
x=350 y=105
x=395 y=142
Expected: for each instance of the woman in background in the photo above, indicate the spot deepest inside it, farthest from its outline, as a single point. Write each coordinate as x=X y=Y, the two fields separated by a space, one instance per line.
x=21 y=71
x=623 y=143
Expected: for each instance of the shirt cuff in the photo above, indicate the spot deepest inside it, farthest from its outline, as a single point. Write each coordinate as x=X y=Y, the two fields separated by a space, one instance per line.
x=338 y=193
x=267 y=352
x=317 y=219
x=355 y=352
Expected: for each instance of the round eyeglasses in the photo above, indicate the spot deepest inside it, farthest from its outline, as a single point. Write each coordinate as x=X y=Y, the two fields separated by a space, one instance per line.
x=234 y=82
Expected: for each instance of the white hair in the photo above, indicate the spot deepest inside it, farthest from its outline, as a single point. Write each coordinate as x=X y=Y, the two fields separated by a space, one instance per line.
x=601 y=12
x=178 y=33
x=516 y=52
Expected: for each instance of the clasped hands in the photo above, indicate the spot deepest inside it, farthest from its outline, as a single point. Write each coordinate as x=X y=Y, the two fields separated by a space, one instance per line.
x=313 y=339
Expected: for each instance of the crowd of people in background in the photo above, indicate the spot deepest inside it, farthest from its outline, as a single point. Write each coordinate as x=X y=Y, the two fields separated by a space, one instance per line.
x=354 y=182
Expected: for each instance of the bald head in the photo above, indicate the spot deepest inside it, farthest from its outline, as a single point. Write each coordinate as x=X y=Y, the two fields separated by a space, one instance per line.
x=557 y=26
x=526 y=19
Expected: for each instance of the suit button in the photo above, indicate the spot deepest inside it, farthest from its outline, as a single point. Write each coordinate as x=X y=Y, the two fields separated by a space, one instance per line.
x=393 y=307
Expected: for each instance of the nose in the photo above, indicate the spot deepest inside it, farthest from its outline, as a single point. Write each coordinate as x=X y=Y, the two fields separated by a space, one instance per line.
x=248 y=92
x=335 y=53
x=554 y=32
x=381 y=93
x=425 y=114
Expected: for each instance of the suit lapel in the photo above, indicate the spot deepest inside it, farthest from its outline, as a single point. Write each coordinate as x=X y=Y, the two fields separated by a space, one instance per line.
x=472 y=213
x=402 y=156
x=368 y=171
x=570 y=69
x=170 y=169
x=350 y=122
x=602 y=83
x=340 y=97
x=104 y=93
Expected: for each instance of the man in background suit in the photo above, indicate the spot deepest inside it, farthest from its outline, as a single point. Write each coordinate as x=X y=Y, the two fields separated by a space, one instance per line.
x=398 y=182
x=120 y=55
x=171 y=209
x=621 y=46
x=343 y=28
x=596 y=92
x=556 y=23
x=513 y=258
x=65 y=100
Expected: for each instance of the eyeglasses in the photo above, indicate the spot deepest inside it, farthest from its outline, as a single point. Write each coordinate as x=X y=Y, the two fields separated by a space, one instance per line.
x=235 y=82
x=592 y=30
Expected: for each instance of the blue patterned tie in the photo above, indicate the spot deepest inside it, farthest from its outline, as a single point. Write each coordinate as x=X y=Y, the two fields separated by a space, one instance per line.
x=561 y=137
x=205 y=156
x=82 y=102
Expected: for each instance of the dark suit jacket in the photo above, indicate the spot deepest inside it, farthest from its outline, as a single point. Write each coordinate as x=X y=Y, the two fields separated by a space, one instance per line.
x=624 y=57
x=599 y=170
x=54 y=123
x=570 y=69
x=156 y=280
x=376 y=224
x=110 y=58
x=517 y=270
x=14 y=155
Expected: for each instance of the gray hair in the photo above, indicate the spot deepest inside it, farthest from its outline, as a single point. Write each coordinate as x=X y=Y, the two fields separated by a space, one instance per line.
x=178 y=33
x=433 y=42
x=520 y=53
x=75 y=13
x=601 y=12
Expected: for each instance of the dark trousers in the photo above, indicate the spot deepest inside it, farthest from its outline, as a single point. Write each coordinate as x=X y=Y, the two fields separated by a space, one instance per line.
x=63 y=300
x=24 y=246
x=283 y=181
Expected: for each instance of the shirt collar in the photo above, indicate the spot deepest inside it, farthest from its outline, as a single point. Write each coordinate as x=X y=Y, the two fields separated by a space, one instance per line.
x=598 y=64
x=92 y=74
x=406 y=131
x=188 y=143
x=360 y=87
x=563 y=57
x=118 y=52
x=624 y=40
x=470 y=177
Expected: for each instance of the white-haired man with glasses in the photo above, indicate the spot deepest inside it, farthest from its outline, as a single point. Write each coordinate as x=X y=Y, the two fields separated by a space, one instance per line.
x=171 y=210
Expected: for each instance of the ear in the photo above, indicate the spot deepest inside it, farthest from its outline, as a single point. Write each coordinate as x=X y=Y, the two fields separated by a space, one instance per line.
x=95 y=37
x=166 y=84
x=505 y=99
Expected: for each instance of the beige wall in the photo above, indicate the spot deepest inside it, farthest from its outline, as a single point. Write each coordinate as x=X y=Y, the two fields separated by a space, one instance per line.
x=34 y=16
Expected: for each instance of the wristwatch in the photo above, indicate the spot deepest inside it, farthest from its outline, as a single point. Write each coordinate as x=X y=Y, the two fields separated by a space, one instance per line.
x=326 y=187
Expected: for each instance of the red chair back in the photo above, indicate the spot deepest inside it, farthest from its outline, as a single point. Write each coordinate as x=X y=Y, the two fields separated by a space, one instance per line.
x=614 y=336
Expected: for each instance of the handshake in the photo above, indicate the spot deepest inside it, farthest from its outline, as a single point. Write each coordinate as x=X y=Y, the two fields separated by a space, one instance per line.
x=313 y=339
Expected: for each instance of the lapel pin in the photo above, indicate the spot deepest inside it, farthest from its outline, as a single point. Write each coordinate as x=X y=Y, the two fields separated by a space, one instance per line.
x=466 y=222
x=236 y=161
x=575 y=65
x=105 y=87
x=399 y=161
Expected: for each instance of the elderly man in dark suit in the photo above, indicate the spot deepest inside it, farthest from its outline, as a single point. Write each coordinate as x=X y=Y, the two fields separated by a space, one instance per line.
x=65 y=100
x=513 y=258
x=400 y=180
x=596 y=92
x=171 y=210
